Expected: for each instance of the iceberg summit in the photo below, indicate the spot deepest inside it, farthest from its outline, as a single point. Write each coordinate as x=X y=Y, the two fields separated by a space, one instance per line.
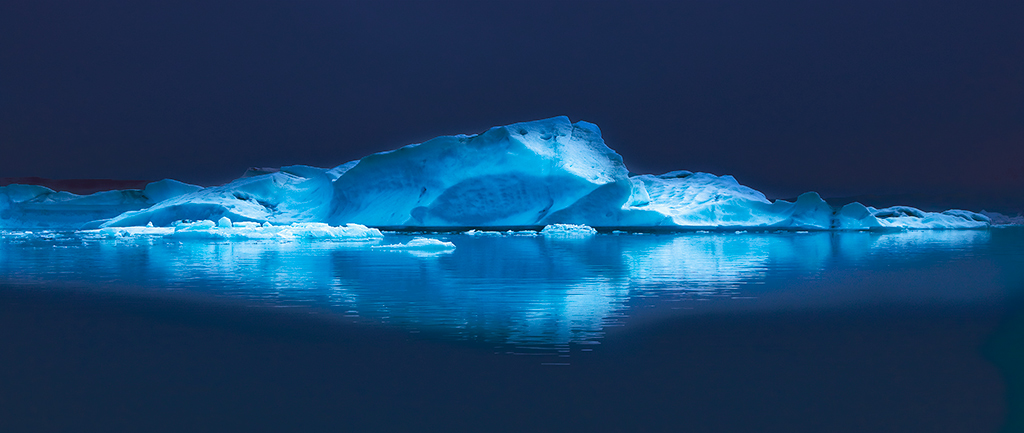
x=529 y=174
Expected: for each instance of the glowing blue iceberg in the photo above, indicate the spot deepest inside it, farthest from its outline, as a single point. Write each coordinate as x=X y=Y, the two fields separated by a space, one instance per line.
x=533 y=174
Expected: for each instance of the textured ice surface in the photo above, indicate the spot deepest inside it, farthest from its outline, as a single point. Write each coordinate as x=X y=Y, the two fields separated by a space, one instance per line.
x=912 y=218
x=539 y=173
x=293 y=194
x=682 y=198
x=575 y=231
x=695 y=200
x=533 y=173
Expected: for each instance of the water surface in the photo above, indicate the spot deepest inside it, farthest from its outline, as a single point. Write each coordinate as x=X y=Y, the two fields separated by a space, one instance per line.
x=897 y=324
x=521 y=291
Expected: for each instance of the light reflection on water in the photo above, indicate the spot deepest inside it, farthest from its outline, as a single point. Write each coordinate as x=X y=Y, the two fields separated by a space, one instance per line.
x=519 y=293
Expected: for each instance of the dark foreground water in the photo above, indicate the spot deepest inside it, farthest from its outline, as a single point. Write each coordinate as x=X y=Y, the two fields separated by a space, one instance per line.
x=746 y=332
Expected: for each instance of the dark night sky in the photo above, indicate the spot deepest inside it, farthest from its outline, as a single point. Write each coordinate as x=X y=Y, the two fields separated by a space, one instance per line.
x=844 y=97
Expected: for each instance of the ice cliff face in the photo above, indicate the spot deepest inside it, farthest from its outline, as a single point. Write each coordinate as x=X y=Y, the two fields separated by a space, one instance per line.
x=538 y=173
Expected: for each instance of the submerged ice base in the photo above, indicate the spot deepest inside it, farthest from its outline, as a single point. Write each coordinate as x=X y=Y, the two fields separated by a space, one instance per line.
x=539 y=173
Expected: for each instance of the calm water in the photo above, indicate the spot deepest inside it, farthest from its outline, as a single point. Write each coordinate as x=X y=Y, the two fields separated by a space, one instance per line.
x=561 y=304
x=534 y=293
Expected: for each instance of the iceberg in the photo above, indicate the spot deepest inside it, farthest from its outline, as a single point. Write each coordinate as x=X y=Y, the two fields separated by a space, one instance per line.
x=913 y=218
x=536 y=174
x=39 y=207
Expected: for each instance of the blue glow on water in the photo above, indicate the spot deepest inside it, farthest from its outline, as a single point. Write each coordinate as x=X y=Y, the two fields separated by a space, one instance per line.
x=530 y=292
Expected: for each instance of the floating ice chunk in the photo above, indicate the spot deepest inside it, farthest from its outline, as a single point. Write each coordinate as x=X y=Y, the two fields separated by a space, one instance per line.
x=570 y=231
x=245 y=230
x=224 y=223
x=906 y=217
x=128 y=232
x=421 y=244
x=325 y=231
x=475 y=232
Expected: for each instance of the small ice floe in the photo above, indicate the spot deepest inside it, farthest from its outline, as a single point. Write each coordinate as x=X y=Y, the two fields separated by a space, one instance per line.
x=420 y=244
x=225 y=229
x=568 y=231
x=421 y=247
x=128 y=232
x=476 y=232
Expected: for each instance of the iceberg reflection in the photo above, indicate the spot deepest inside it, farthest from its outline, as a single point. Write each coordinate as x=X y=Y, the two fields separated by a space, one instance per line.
x=513 y=291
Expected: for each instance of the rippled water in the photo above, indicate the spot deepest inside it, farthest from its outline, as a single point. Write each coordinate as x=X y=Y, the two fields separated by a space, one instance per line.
x=523 y=293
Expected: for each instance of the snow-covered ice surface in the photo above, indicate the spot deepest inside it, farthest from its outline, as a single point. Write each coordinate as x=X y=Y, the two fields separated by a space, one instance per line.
x=422 y=244
x=530 y=174
x=568 y=231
